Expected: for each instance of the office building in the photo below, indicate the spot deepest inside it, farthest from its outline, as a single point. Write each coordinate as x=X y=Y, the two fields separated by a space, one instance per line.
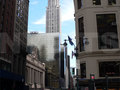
x=20 y=35
x=98 y=42
x=12 y=54
x=53 y=17
x=48 y=47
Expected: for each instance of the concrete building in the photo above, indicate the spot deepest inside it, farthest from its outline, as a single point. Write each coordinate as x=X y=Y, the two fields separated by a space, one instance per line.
x=98 y=42
x=53 y=17
x=47 y=43
x=12 y=54
x=49 y=47
x=35 y=71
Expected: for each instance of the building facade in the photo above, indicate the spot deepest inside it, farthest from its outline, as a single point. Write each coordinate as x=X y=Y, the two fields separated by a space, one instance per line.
x=53 y=17
x=98 y=42
x=12 y=55
x=64 y=68
x=20 y=35
x=34 y=71
x=48 y=47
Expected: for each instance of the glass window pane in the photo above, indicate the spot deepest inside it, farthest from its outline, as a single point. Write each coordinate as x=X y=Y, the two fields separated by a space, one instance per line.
x=107 y=31
x=110 y=68
x=96 y=2
x=81 y=34
x=83 y=70
x=80 y=3
x=111 y=2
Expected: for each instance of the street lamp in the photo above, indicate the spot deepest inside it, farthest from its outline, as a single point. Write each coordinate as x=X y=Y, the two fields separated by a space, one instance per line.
x=65 y=58
x=86 y=42
x=65 y=43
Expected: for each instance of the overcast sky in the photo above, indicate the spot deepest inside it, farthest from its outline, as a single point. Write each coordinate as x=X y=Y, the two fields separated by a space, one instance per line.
x=37 y=18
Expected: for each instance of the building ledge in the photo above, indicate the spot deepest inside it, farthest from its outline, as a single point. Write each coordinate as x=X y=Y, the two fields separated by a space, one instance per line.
x=112 y=52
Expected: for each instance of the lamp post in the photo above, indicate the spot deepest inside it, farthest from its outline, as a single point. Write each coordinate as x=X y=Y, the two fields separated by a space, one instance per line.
x=65 y=61
x=65 y=43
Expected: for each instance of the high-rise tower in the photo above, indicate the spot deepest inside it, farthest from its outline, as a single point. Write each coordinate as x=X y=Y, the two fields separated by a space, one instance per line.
x=53 y=17
x=13 y=34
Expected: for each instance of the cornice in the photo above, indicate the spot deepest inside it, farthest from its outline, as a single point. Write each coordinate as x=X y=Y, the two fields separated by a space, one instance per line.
x=98 y=53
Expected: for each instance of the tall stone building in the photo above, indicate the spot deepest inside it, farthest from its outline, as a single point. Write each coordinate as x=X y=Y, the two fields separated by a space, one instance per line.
x=98 y=42
x=13 y=33
x=35 y=70
x=53 y=17
x=53 y=26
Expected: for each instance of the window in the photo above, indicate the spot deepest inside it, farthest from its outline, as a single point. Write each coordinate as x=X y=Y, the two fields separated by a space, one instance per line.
x=5 y=65
x=96 y=2
x=83 y=70
x=79 y=3
x=111 y=2
x=0 y=2
x=107 y=31
x=81 y=34
x=1 y=26
x=111 y=68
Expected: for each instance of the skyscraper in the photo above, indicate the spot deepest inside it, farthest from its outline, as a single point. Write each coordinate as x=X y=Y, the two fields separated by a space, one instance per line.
x=53 y=17
x=13 y=33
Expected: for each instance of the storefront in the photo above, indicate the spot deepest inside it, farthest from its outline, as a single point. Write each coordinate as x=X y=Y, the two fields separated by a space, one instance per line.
x=101 y=84
x=11 y=81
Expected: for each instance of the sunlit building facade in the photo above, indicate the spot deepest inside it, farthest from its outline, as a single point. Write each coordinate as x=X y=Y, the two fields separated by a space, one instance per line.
x=98 y=42
x=34 y=70
x=48 y=47
x=53 y=17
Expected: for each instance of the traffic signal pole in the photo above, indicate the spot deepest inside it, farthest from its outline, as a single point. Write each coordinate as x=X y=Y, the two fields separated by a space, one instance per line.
x=92 y=82
x=106 y=82
x=77 y=80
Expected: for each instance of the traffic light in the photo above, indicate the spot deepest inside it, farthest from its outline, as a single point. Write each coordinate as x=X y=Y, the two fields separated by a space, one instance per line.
x=92 y=82
x=92 y=77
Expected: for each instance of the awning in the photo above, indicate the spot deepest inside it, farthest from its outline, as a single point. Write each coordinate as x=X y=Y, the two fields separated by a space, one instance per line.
x=9 y=75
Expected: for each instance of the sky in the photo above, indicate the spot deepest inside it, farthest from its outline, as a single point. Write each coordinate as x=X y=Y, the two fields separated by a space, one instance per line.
x=37 y=20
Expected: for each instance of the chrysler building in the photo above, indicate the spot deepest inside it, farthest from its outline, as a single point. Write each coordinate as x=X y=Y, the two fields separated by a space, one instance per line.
x=53 y=17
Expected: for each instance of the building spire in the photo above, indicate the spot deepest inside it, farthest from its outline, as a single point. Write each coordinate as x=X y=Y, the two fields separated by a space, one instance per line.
x=53 y=3
x=53 y=17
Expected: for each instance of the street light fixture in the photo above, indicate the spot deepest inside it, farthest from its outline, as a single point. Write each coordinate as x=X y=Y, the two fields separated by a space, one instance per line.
x=86 y=42
x=65 y=43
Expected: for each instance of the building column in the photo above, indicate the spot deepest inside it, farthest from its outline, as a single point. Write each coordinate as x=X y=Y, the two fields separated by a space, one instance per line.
x=30 y=76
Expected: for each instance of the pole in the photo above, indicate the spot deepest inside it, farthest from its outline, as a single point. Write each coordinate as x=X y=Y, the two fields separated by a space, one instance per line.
x=92 y=82
x=77 y=80
x=106 y=82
